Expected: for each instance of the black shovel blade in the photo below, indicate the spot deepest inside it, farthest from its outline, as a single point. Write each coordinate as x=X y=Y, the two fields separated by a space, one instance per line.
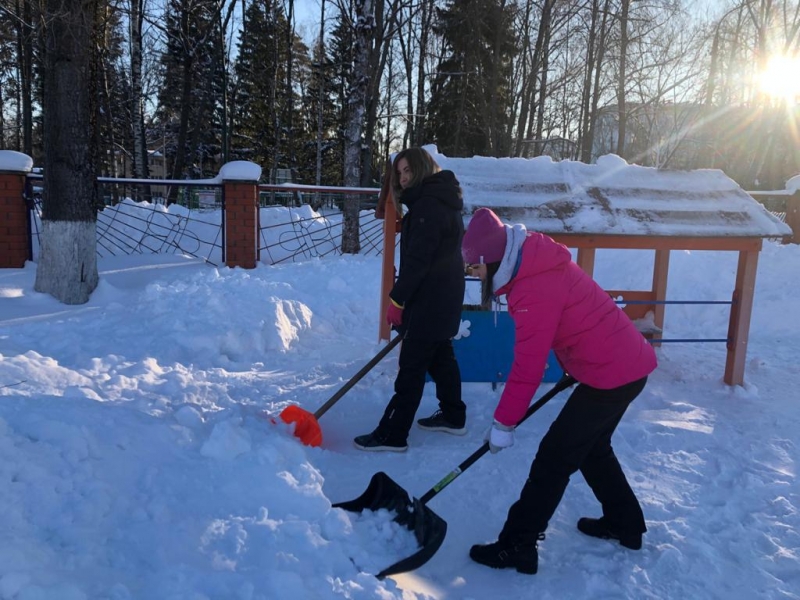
x=428 y=527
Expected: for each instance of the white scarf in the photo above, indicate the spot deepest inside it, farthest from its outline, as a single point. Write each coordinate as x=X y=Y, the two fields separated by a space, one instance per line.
x=515 y=237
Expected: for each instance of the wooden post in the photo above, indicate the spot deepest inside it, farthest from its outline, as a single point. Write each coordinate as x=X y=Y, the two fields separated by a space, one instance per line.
x=387 y=211
x=660 y=272
x=793 y=216
x=241 y=223
x=15 y=231
x=585 y=260
x=739 y=324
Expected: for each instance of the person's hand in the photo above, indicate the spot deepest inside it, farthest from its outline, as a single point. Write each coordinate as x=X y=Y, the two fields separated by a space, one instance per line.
x=499 y=436
x=394 y=314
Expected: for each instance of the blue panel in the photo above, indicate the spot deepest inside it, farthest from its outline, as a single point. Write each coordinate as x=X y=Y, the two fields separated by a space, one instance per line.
x=487 y=353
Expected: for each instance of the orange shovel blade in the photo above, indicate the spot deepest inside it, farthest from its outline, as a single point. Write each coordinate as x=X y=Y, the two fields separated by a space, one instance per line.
x=306 y=426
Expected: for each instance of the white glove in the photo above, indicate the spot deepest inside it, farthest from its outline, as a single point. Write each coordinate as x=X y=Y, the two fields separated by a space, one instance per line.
x=499 y=436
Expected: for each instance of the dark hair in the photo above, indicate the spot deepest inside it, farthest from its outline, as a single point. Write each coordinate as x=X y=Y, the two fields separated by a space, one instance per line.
x=487 y=284
x=421 y=164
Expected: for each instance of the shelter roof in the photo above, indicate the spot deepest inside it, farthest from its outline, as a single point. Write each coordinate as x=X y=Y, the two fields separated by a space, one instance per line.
x=611 y=197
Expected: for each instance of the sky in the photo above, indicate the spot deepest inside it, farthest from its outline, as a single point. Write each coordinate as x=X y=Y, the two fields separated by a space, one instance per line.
x=139 y=458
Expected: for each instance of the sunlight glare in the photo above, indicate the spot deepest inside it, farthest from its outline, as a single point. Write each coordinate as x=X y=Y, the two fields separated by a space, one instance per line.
x=781 y=78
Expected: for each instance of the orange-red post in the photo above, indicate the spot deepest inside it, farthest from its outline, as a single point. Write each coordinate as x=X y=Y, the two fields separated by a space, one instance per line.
x=739 y=323
x=387 y=210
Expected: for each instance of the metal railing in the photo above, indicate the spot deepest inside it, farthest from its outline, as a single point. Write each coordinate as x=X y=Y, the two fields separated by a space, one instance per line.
x=296 y=221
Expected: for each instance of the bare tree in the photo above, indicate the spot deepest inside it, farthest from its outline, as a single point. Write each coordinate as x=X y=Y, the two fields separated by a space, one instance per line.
x=622 y=80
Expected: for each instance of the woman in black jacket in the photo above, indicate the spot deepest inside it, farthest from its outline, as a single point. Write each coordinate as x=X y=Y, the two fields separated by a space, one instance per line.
x=425 y=302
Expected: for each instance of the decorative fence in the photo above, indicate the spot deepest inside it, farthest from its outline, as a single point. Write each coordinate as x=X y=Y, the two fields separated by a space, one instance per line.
x=237 y=223
x=234 y=222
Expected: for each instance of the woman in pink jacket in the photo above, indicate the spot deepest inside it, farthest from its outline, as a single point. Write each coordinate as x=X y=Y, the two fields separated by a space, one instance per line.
x=556 y=305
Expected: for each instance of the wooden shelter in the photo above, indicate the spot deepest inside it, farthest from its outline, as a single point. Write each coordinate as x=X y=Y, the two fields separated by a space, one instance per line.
x=615 y=205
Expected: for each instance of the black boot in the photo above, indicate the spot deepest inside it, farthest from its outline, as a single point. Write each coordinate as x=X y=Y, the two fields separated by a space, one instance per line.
x=379 y=442
x=600 y=528
x=501 y=555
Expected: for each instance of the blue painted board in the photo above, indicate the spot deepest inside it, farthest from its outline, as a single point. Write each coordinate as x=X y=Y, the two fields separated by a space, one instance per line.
x=487 y=353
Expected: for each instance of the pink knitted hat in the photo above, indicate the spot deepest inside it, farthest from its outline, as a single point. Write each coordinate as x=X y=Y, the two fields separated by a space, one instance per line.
x=485 y=238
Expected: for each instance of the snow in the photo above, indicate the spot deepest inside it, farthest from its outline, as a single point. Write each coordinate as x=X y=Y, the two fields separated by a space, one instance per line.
x=15 y=162
x=139 y=458
x=611 y=197
x=239 y=170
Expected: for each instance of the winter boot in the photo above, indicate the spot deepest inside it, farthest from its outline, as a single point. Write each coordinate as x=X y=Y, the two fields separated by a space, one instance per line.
x=378 y=442
x=502 y=555
x=438 y=422
x=600 y=528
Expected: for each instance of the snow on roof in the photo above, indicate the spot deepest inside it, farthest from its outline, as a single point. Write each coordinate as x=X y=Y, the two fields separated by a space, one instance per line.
x=610 y=197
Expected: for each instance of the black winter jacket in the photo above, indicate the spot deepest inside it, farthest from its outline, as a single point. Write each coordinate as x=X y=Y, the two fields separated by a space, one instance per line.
x=430 y=283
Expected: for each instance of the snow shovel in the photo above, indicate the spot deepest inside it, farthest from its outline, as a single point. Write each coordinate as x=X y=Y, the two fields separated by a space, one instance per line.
x=428 y=527
x=306 y=425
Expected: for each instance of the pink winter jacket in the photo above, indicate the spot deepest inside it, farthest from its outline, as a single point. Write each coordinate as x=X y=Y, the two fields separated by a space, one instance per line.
x=556 y=305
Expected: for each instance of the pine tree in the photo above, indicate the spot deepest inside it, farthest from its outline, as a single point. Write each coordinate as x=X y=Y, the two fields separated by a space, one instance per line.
x=188 y=113
x=342 y=58
x=261 y=106
x=471 y=98
x=318 y=102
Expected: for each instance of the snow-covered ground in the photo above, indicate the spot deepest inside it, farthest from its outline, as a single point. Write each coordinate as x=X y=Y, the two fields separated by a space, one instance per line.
x=138 y=459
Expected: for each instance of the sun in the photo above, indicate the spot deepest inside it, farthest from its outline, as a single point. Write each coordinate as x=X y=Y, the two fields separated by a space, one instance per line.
x=781 y=78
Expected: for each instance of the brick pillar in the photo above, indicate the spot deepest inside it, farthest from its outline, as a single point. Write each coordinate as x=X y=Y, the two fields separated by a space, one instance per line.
x=241 y=223
x=15 y=231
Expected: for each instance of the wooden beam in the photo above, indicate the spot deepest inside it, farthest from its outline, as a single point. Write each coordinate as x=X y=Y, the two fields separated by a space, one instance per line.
x=644 y=242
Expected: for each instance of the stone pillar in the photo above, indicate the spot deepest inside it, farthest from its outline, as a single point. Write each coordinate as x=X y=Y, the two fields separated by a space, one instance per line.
x=15 y=232
x=240 y=194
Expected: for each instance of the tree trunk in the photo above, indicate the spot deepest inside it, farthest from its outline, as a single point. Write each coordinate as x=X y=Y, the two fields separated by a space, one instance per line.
x=586 y=99
x=419 y=117
x=493 y=127
x=186 y=104
x=25 y=41
x=378 y=45
x=321 y=100
x=292 y=159
x=527 y=78
x=623 y=56
x=357 y=109
x=140 y=167
x=537 y=68
x=601 y=53
x=67 y=267
x=543 y=84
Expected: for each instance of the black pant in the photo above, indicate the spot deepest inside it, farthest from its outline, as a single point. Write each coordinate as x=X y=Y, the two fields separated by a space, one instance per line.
x=418 y=357
x=579 y=439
